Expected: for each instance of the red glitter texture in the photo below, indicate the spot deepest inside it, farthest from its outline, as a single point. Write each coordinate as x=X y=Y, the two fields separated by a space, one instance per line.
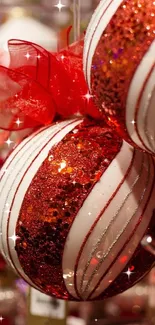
x=54 y=198
x=120 y=50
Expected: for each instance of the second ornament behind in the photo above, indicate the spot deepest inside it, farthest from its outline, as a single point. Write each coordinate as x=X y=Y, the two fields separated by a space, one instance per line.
x=120 y=67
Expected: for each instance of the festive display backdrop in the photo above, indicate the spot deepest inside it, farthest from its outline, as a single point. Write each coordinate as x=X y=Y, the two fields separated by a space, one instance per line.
x=76 y=200
x=119 y=67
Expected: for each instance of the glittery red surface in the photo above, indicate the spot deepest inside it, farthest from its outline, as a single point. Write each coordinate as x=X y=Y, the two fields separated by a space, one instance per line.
x=120 y=50
x=54 y=198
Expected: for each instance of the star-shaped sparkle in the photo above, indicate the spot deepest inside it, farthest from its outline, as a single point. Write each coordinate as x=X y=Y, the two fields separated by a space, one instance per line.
x=62 y=57
x=9 y=142
x=88 y=96
x=128 y=273
x=14 y=238
x=1 y=319
x=18 y=122
x=27 y=55
x=59 y=5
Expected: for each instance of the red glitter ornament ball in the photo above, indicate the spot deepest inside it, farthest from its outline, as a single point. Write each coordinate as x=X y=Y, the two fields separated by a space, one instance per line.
x=76 y=202
x=120 y=67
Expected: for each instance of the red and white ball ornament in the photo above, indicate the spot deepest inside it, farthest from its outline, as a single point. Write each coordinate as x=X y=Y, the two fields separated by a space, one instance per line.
x=119 y=62
x=75 y=203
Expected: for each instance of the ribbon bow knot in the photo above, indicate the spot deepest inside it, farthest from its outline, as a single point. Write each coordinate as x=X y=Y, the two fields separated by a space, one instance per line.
x=38 y=85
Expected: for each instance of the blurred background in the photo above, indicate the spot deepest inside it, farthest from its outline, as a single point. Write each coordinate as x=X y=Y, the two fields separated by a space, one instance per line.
x=39 y=20
x=44 y=22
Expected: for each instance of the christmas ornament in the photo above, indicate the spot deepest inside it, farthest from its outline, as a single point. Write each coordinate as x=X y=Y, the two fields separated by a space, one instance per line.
x=75 y=203
x=39 y=85
x=120 y=68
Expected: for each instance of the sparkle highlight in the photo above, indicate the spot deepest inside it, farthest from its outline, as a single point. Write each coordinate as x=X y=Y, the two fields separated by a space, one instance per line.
x=59 y=5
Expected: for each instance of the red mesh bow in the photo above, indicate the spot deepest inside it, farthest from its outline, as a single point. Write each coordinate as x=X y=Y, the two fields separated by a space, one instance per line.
x=39 y=84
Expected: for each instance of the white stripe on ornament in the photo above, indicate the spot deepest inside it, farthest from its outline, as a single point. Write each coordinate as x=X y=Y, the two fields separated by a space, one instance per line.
x=102 y=239
x=146 y=120
x=134 y=92
x=14 y=153
x=92 y=25
x=95 y=31
x=24 y=168
x=91 y=208
x=127 y=218
x=129 y=250
x=18 y=154
x=149 y=120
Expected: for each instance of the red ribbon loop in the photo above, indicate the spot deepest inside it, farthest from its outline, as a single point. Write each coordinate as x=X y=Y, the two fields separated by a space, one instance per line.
x=39 y=84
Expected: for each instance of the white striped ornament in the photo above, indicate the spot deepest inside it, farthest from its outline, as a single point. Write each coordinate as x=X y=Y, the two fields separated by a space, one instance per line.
x=109 y=220
x=140 y=127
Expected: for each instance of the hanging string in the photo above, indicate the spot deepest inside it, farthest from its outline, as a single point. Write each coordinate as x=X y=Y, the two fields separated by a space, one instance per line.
x=77 y=19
